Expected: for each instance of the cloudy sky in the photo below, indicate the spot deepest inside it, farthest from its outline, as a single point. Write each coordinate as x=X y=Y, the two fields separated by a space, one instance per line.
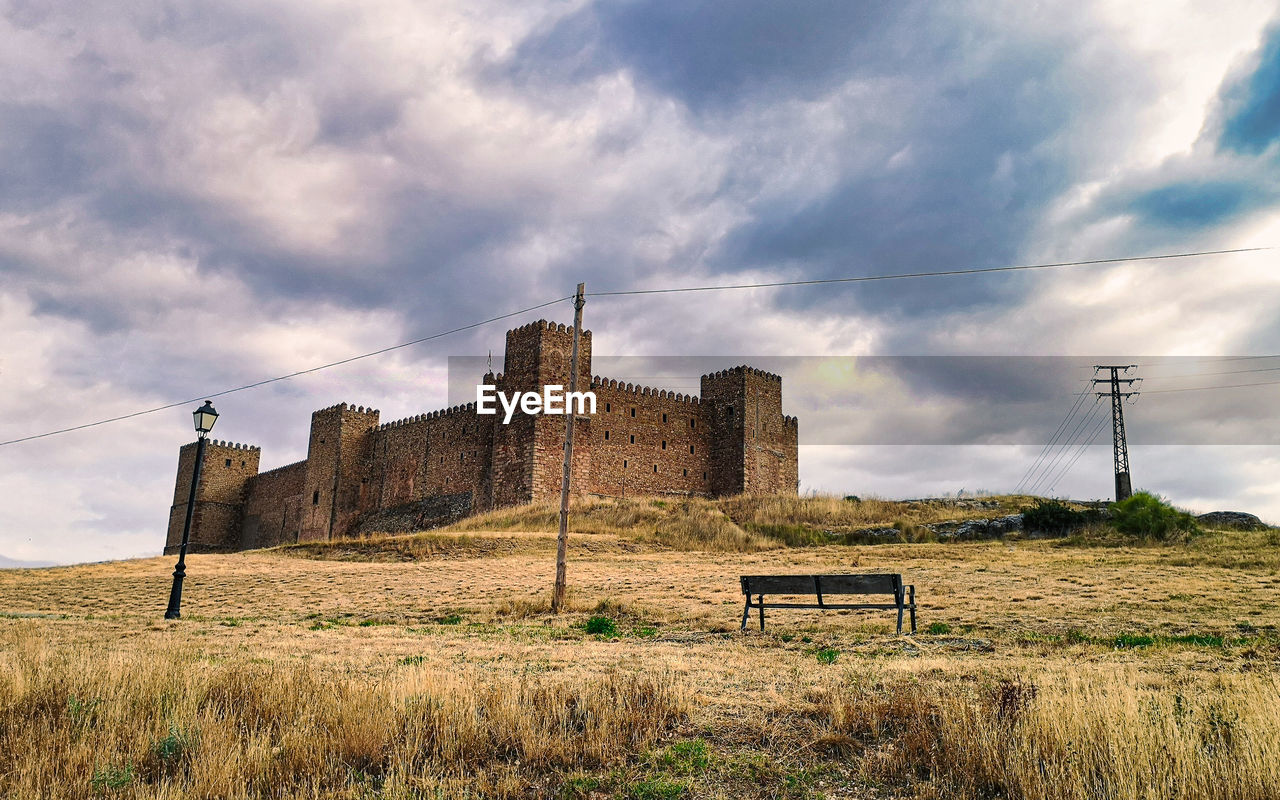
x=198 y=196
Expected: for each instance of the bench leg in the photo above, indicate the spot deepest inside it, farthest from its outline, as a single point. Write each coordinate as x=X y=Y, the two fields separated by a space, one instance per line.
x=912 y=590
x=760 y=600
x=746 y=613
x=900 y=609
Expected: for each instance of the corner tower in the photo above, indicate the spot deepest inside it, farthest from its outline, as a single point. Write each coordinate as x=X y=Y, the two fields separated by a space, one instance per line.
x=335 y=488
x=754 y=447
x=224 y=476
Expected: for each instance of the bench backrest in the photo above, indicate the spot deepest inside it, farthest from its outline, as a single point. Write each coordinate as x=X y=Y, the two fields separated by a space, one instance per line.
x=875 y=583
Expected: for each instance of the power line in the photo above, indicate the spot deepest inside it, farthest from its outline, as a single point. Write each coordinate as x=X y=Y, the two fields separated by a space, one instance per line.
x=939 y=273
x=285 y=377
x=1206 y=388
x=1061 y=426
x=1063 y=448
x=1211 y=374
x=1180 y=360
x=1102 y=423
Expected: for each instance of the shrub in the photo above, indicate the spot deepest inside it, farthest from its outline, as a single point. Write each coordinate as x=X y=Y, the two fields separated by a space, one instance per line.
x=601 y=626
x=1055 y=519
x=1150 y=516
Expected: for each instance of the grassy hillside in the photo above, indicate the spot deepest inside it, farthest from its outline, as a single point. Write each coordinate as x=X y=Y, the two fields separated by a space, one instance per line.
x=430 y=666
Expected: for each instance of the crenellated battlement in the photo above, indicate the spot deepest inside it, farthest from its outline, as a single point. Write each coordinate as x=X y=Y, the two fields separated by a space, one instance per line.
x=466 y=408
x=346 y=407
x=232 y=445
x=600 y=382
x=544 y=325
x=276 y=470
x=744 y=369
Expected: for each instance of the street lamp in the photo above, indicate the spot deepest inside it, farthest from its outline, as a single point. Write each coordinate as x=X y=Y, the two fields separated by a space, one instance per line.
x=204 y=416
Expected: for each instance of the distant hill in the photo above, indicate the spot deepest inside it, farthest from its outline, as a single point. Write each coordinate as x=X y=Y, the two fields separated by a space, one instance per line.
x=13 y=563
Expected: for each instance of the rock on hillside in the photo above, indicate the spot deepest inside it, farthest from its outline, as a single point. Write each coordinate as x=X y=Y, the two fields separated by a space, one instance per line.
x=1232 y=520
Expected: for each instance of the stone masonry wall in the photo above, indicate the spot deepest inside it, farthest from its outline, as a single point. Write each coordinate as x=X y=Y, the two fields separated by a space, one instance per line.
x=273 y=507
x=647 y=441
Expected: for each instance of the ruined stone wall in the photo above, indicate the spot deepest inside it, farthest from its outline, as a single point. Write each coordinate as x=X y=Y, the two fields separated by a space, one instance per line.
x=273 y=507
x=647 y=441
x=215 y=525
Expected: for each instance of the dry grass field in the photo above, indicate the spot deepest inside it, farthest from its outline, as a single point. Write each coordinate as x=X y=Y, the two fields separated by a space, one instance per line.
x=429 y=666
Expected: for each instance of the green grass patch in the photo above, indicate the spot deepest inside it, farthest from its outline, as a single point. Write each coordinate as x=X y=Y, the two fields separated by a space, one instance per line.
x=938 y=629
x=601 y=626
x=828 y=655
x=657 y=788
x=685 y=758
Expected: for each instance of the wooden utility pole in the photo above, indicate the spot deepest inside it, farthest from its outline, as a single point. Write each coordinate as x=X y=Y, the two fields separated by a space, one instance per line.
x=562 y=541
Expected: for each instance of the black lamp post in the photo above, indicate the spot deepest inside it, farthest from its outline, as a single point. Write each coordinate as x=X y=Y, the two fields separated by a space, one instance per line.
x=205 y=416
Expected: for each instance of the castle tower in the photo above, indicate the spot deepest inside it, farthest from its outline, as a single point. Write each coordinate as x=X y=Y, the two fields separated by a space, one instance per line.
x=754 y=447
x=335 y=488
x=224 y=475
x=528 y=453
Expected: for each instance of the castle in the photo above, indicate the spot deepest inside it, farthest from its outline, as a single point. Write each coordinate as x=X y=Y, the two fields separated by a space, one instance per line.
x=431 y=469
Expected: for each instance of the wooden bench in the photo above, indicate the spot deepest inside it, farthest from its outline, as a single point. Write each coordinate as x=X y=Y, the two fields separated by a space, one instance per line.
x=823 y=586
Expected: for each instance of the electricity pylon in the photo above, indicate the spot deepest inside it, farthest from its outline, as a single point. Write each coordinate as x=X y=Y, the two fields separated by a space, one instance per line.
x=1120 y=448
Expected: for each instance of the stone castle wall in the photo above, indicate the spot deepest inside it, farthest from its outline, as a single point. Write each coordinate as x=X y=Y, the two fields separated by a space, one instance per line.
x=435 y=467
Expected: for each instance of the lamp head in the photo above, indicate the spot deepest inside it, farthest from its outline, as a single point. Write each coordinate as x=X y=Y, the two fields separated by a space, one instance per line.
x=204 y=416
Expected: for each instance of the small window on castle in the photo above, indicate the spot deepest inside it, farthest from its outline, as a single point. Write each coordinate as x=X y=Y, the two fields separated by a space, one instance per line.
x=633 y=412
x=664 y=444
x=228 y=462
x=655 y=467
x=704 y=476
x=322 y=441
x=624 y=463
x=690 y=449
x=441 y=459
x=464 y=428
x=242 y=463
x=462 y=457
x=664 y=417
x=693 y=423
x=606 y=436
x=607 y=408
x=315 y=498
x=686 y=472
x=633 y=438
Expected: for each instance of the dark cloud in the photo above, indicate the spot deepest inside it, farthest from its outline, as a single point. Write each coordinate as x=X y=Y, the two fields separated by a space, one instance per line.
x=714 y=53
x=1251 y=104
x=1199 y=204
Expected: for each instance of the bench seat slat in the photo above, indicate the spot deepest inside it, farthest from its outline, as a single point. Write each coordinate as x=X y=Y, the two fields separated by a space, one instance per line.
x=831 y=584
x=779 y=584
x=829 y=606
